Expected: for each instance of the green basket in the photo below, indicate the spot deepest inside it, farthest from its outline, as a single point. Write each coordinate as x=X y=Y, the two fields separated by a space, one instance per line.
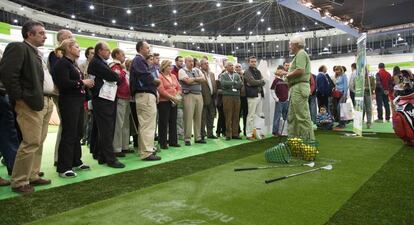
x=278 y=154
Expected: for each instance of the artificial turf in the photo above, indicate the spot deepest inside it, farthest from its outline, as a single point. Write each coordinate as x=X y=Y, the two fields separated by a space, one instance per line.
x=216 y=194
x=386 y=199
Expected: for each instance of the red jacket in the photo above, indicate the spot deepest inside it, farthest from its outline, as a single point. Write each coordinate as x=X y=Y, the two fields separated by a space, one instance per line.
x=385 y=80
x=123 y=85
x=167 y=87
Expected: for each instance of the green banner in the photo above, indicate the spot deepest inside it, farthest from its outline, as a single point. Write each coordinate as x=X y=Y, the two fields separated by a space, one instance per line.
x=197 y=55
x=85 y=42
x=359 y=82
x=4 y=28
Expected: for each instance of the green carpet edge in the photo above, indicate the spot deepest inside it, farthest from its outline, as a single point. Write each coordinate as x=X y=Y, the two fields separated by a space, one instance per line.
x=386 y=198
x=28 y=208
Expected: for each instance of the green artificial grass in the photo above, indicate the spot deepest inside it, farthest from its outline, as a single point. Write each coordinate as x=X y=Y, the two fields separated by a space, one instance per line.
x=132 y=161
x=386 y=199
x=49 y=202
x=220 y=196
x=385 y=127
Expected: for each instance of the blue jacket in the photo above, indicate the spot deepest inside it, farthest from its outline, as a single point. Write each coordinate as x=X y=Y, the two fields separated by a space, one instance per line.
x=141 y=78
x=322 y=85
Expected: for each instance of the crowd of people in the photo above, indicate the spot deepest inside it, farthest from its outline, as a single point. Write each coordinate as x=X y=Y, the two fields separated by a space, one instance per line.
x=103 y=105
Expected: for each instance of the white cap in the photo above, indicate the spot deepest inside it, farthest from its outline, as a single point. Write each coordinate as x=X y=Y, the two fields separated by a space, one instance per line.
x=298 y=39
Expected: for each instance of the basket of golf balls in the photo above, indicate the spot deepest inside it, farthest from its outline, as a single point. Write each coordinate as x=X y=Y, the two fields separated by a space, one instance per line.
x=294 y=145
x=278 y=154
x=309 y=150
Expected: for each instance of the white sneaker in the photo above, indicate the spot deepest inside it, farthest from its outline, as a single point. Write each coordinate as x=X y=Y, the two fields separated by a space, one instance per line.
x=68 y=174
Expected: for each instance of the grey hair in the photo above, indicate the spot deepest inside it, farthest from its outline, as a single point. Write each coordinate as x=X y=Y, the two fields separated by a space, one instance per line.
x=228 y=63
x=61 y=33
x=188 y=58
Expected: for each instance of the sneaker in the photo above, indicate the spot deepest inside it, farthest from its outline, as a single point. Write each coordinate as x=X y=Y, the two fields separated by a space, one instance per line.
x=201 y=141
x=120 y=154
x=68 y=174
x=40 y=181
x=187 y=143
x=82 y=167
x=152 y=158
x=116 y=164
x=25 y=189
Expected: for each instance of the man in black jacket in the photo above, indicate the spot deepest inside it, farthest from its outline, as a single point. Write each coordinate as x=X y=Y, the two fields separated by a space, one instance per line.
x=28 y=81
x=254 y=83
x=104 y=107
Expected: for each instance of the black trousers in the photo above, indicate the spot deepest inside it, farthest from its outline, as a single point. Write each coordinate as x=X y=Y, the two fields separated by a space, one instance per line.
x=352 y=95
x=134 y=123
x=244 y=110
x=104 y=114
x=71 y=113
x=221 y=121
x=167 y=122
x=323 y=100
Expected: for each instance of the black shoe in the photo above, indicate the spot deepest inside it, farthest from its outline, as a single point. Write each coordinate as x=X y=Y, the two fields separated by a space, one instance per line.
x=101 y=161
x=152 y=158
x=187 y=143
x=175 y=145
x=212 y=137
x=164 y=146
x=228 y=138
x=116 y=164
x=41 y=174
x=236 y=137
x=201 y=141
x=119 y=154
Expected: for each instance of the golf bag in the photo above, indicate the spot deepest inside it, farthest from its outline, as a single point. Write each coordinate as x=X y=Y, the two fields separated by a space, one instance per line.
x=403 y=118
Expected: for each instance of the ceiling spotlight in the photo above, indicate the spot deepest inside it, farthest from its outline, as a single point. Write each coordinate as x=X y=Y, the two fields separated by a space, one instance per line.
x=351 y=20
x=221 y=45
x=202 y=30
x=258 y=13
x=67 y=26
x=129 y=34
x=113 y=21
x=79 y=30
x=193 y=43
x=262 y=20
x=160 y=35
x=303 y=28
x=218 y=4
x=198 y=47
x=131 y=27
x=201 y=24
x=152 y=24
x=150 y=5
x=307 y=49
x=250 y=1
x=269 y=29
x=329 y=45
x=219 y=35
x=91 y=7
x=398 y=35
x=174 y=11
x=316 y=23
x=175 y=23
x=232 y=52
x=251 y=32
x=348 y=39
x=128 y=11
x=73 y=16
x=22 y=8
x=239 y=29
x=248 y=50
x=93 y=34
x=321 y=39
x=277 y=46
x=252 y=44
x=15 y=21
x=184 y=32
x=212 y=51
x=237 y=47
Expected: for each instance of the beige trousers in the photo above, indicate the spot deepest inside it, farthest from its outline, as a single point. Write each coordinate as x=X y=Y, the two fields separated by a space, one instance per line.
x=33 y=125
x=193 y=111
x=146 y=104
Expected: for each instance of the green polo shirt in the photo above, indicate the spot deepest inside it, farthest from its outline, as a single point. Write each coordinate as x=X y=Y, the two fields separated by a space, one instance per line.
x=300 y=61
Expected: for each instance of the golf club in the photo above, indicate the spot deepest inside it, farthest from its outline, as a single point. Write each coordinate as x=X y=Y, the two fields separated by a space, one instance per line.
x=327 y=167
x=311 y=164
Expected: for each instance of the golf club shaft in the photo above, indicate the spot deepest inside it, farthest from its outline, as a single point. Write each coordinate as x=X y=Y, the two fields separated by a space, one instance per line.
x=265 y=167
x=291 y=175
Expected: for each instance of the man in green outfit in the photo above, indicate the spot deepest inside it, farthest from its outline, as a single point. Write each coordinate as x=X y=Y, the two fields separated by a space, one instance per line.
x=299 y=120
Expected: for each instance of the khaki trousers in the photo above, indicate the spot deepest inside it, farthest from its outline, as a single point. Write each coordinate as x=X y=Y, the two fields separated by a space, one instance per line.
x=299 y=120
x=121 y=137
x=33 y=125
x=193 y=110
x=231 y=108
x=254 y=108
x=146 y=104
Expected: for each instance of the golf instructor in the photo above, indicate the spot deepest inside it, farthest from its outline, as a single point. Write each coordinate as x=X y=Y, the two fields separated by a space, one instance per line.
x=299 y=120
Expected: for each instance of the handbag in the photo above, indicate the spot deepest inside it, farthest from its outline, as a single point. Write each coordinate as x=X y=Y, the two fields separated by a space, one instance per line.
x=346 y=111
x=336 y=94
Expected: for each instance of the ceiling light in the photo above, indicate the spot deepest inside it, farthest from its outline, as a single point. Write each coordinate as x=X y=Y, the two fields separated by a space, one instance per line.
x=221 y=45
x=398 y=35
x=351 y=20
x=232 y=52
x=218 y=4
x=349 y=39
x=329 y=45
x=152 y=24
x=15 y=21
x=128 y=11
x=212 y=51
x=250 y=1
x=251 y=32
x=131 y=27
x=269 y=29
x=79 y=30
x=150 y=5
x=193 y=43
x=400 y=39
x=346 y=23
x=202 y=30
x=277 y=46
x=307 y=49
x=129 y=34
x=325 y=49
x=258 y=13
x=160 y=35
x=174 y=11
x=248 y=50
x=252 y=44
x=67 y=26
x=175 y=23
x=113 y=21
x=22 y=8
x=316 y=23
x=73 y=16
x=91 y=7
x=237 y=47
x=262 y=20
x=239 y=29
x=321 y=39
x=184 y=32
x=219 y=35
x=198 y=47
x=201 y=24
x=303 y=28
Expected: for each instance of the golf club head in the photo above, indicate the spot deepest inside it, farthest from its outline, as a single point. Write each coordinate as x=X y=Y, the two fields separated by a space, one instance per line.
x=327 y=167
x=311 y=164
